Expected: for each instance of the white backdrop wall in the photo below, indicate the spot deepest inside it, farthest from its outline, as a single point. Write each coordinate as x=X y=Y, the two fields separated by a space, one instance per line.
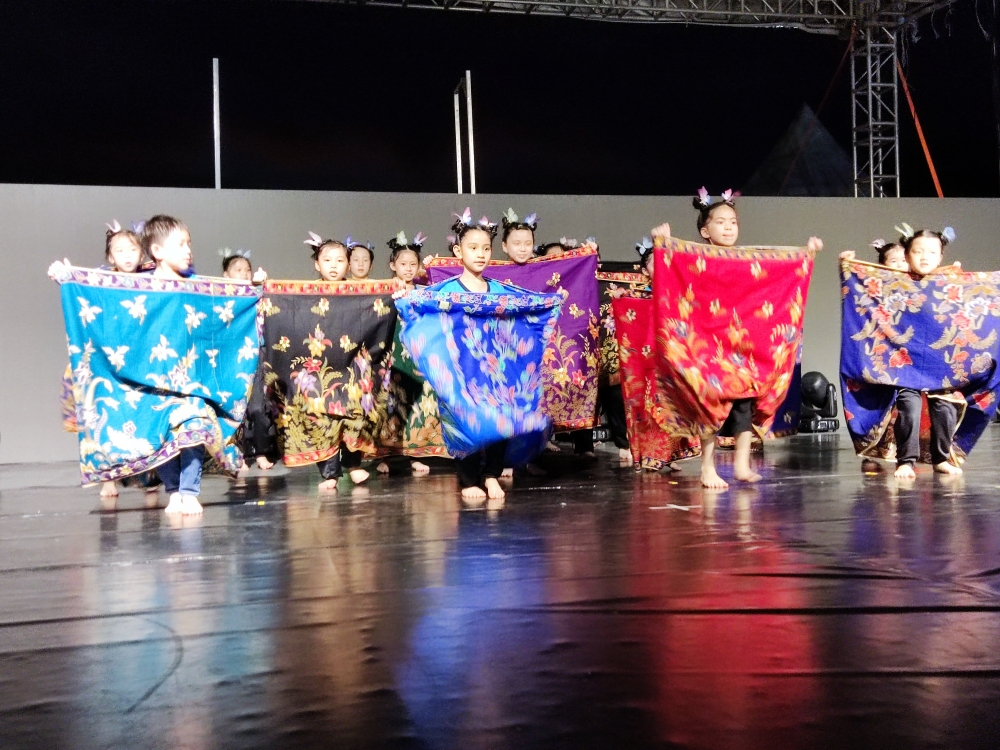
x=40 y=223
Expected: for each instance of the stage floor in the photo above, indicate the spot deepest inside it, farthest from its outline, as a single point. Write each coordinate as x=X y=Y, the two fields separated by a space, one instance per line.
x=599 y=608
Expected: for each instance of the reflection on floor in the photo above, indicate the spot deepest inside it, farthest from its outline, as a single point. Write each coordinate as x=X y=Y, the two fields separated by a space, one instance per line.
x=598 y=608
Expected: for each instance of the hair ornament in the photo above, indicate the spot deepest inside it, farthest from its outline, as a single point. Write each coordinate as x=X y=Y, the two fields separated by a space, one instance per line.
x=509 y=217
x=114 y=227
x=138 y=226
x=905 y=230
x=948 y=234
x=729 y=197
x=451 y=239
x=877 y=244
x=465 y=218
x=419 y=239
x=704 y=199
x=314 y=240
x=644 y=247
x=240 y=252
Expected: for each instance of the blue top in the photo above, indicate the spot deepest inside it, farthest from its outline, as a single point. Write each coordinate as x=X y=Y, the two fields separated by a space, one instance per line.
x=455 y=285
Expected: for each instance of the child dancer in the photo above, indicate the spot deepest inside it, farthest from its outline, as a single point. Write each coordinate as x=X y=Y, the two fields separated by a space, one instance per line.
x=331 y=258
x=478 y=473
x=890 y=254
x=404 y=262
x=360 y=258
x=236 y=264
x=924 y=250
x=718 y=224
x=519 y=236
x=167 y=241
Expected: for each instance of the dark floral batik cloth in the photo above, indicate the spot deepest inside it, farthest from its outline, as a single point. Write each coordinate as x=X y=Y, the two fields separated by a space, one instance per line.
x=570 y=365
x=939 y=334
x=482 y=354
x=158 y=365
x=325 y=351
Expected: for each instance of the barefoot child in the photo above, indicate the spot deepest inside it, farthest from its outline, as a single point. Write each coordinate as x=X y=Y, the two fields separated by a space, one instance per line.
x=412 y=427
x=718 y=226
x=480 y=343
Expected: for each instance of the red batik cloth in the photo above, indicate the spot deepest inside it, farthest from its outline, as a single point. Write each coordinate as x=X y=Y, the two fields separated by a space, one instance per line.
x=651 y=446
x=728 y=325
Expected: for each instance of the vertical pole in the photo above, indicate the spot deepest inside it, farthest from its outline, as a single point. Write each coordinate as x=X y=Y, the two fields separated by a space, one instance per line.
x=217 y=122
x=872 y=153
x=854 y=117
x=472 y=148
x=895 y=107
x=458 y=141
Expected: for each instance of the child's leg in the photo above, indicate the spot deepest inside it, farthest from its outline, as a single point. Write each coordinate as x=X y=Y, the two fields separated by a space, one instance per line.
x=583 y=442
x=741 y=419
x=494 y=469
x=170 y=474
x=351 y=460
x=331 y=471
x=907 y=431
x=613 y=406
x=109 y=489
x=189 y=485
x=709 y=476
x=468 y=470
x=944 y=417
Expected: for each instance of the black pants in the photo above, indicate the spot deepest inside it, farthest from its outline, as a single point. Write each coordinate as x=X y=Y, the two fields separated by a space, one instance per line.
x=944 y=417
x=583 y=441
x=740 y=417
x=333 y=467
x=473 y=470
x=613 y=406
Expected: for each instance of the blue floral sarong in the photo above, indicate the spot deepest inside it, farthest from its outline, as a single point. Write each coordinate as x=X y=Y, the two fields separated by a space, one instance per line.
x=158 y=365
x=939 y=334
x=482 y=354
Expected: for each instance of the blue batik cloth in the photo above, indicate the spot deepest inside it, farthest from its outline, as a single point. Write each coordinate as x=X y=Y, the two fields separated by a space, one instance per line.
x=939 y=334
x=158 y=365
x=482 y=355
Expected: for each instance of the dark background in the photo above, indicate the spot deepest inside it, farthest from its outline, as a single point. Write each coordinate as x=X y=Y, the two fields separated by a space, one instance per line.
x=329 y=97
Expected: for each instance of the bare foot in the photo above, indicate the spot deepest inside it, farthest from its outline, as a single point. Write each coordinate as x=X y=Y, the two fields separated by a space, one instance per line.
x=190 y=505
x=905 y=471
x=553 y=447
x=263 y=464
x=420 y=469
x=535 y=471
x=507 y=474
x=243 y=470
x=749 y=477
x=588 y=455
x=176 y=504
x=624 y=454
x=473 y=495
x=359 y=476
x=711 y=480
x=109 y=489
x=328 y=485
x=493 y=489
x=109 y=504
x=382 y=468
x=947 y=468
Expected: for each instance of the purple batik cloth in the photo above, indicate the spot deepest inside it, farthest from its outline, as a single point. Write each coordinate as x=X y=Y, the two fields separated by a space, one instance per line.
x=569 y=366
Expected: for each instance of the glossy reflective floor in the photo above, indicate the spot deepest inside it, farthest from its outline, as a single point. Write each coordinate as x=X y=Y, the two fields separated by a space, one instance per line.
x=599 y=608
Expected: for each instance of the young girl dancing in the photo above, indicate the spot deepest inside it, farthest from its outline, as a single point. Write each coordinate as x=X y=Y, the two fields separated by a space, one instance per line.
x=718 y=224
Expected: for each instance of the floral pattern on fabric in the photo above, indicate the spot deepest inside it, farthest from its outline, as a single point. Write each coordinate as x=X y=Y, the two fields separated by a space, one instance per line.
x=651 y=445
x=728 y=326
x=482 y=355
x=570 y=364
x=324 y=364
x=412 y=426
x=609 y=283
x=157 y=368
x=939 y=334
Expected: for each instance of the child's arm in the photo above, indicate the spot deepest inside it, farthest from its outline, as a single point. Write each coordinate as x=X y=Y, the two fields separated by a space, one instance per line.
x=847 y=255
x=661 y=231
x=815 y=244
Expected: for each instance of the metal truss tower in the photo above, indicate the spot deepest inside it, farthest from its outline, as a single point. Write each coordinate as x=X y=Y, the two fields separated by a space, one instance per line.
x=875 y=24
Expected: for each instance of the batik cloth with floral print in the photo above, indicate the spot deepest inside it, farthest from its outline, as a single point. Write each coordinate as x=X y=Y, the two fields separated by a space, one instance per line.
x=325 y=352
x=412 y=426
x=482 y=355
x=939 y=334
x=570 y=365
x=158 y=365
x=612 y=282
x=728 y=326
x=652 y=446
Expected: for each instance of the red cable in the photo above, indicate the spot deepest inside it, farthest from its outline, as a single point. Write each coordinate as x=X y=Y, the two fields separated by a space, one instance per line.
x=920 y=131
